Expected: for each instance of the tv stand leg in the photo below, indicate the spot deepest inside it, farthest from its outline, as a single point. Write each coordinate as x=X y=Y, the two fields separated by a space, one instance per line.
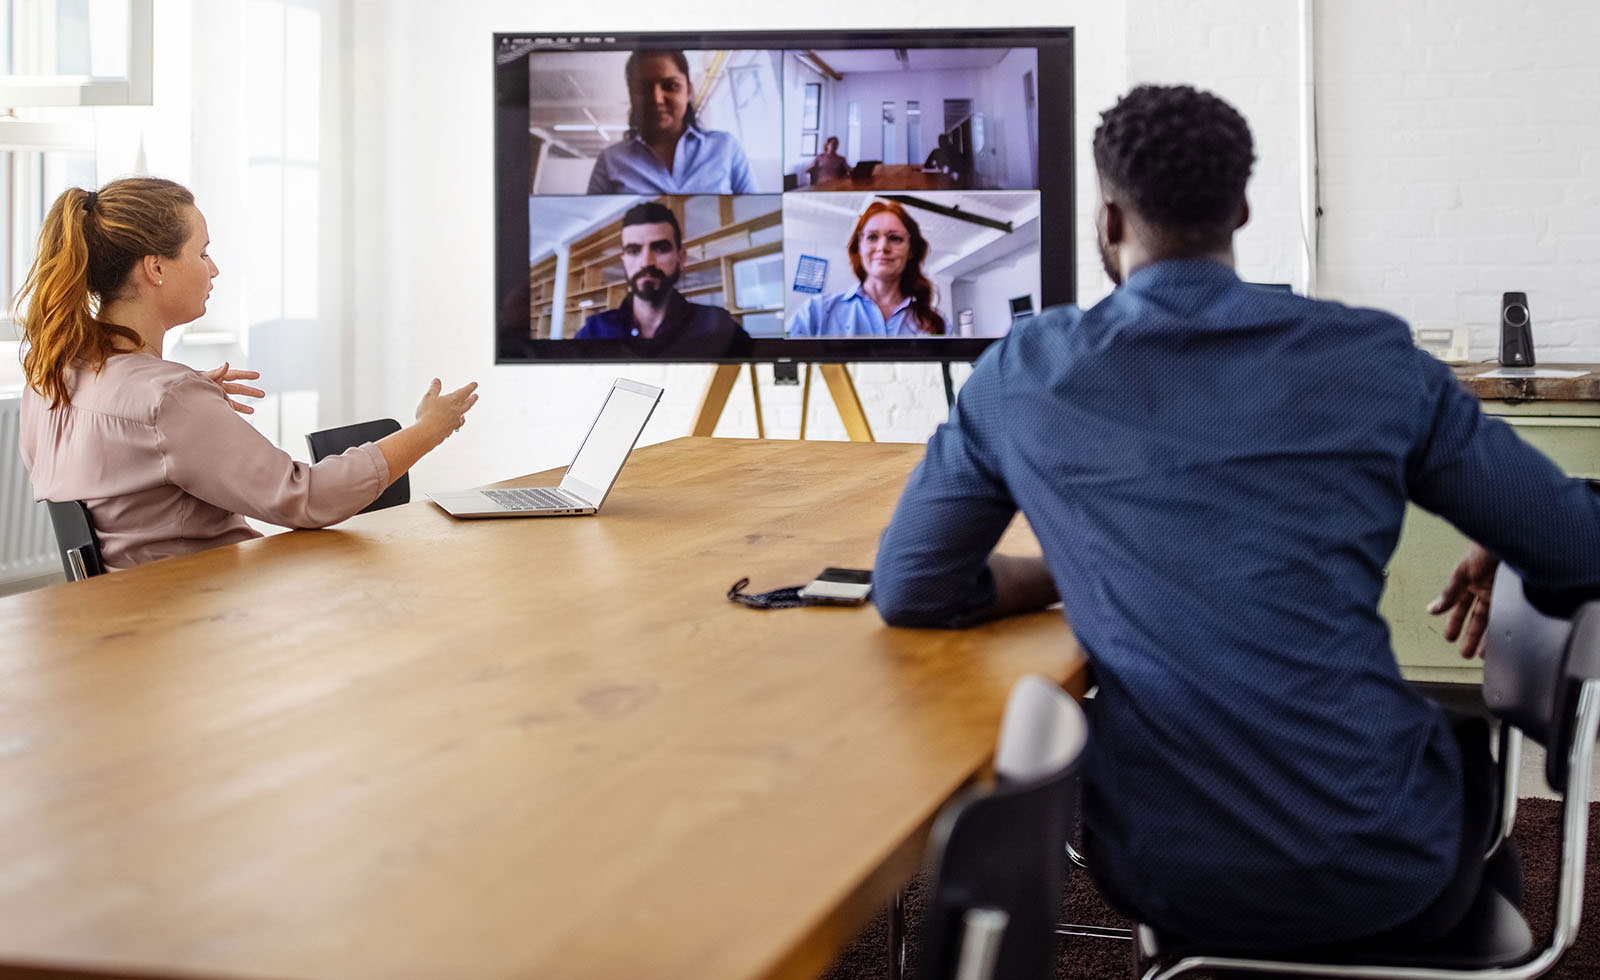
x=715 y=398
x=847 y=402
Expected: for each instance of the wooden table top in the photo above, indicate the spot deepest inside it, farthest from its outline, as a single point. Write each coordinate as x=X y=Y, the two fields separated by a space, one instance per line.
x=891 y=177
x=1585 y=388
x=415 y=746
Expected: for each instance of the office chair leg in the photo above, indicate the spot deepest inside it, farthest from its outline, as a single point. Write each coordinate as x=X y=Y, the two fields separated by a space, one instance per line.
x=1083 y=931
x=1076 y=858
x=1094 y=932
x=897 y=936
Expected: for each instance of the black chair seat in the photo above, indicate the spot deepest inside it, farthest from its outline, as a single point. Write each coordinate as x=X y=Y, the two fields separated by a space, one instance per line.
x=332 y=442
x=1491 y=934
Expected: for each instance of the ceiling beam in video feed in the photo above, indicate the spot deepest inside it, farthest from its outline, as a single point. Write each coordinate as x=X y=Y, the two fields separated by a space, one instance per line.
x=911 y=201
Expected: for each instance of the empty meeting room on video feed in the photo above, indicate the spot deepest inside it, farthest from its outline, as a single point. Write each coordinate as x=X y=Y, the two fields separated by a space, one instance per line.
x=982 y=258
x=579 y=105
x=732 y=258
x=942 y=118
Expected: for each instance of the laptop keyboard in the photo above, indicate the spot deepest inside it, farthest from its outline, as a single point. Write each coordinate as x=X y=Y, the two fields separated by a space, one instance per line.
x=529 y=498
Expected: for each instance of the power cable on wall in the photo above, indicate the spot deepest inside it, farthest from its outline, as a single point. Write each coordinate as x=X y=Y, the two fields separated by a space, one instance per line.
x=1310 y=168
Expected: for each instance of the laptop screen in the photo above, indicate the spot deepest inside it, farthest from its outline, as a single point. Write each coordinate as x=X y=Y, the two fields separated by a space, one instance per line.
x=606 y=448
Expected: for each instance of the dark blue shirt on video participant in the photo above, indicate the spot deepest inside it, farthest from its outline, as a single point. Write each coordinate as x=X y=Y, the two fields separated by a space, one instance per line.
x=706 y=329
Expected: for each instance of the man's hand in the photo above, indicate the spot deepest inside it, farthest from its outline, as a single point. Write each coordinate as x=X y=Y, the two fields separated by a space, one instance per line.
x=1021 y=585
x=1466 y=598
x=226 y=380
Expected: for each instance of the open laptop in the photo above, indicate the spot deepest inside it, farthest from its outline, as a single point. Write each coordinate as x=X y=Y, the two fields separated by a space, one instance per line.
x=587 y=481
x=863 y=169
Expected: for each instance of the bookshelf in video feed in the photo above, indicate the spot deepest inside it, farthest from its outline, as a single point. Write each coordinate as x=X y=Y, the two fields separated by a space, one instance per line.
x=814 y=196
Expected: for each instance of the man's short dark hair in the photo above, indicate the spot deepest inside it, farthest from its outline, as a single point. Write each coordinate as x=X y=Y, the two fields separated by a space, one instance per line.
x=1182 y=158
x=654 y=212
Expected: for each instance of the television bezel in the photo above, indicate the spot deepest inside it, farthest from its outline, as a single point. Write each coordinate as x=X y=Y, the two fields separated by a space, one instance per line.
x=1057 y=195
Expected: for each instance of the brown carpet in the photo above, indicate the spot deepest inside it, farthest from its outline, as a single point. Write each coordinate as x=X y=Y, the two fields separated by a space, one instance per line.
x=1538 y=835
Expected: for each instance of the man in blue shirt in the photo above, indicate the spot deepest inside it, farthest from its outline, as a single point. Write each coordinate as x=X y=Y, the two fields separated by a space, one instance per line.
x=655 y=316
x=1217 y=475
x=664 y=151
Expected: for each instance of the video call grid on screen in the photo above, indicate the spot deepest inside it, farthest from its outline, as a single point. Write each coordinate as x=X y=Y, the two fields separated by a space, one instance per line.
x=791 y=138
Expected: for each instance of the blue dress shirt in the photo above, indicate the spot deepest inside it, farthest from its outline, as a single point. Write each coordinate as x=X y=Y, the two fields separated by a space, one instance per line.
x=1217 y=475
x=706 y=161
x=851 y=314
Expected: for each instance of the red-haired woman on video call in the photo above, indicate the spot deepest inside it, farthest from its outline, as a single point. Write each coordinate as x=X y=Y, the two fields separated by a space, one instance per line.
x=893 y=299
x=155 y=448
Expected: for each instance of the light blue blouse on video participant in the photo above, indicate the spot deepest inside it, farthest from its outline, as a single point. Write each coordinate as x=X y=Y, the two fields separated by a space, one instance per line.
x=851 y=314
x=707 y=161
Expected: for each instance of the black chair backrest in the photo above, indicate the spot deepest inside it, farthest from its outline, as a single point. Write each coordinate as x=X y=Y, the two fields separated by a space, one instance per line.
x=332 y=442
x=999 y=863
x=1534 y=666
x=80 y=546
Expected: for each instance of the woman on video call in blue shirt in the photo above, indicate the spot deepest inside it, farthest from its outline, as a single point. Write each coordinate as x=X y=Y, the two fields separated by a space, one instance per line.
x=893 y=299
x=665 y=151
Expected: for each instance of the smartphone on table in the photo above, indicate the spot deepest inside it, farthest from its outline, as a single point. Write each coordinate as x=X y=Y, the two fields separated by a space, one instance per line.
x=839 y=587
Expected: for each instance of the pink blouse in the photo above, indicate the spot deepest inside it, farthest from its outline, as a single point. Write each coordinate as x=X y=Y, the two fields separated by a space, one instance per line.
x=167 y=467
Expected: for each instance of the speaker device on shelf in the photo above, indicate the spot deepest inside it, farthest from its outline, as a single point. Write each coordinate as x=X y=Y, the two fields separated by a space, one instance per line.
x=1516 y=331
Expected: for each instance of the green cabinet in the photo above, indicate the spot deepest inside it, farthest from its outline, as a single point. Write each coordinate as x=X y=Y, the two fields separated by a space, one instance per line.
x=1567 y=432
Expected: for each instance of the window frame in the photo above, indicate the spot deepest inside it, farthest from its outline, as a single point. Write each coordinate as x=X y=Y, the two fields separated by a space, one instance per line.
x=135 y=88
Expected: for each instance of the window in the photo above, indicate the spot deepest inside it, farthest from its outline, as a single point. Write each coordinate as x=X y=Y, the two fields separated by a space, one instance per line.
x=286 y=337
x=888 y=133
x=914 y=152
x=811 y=120
x=76 y=52
x=55 y=57
x=758 y=283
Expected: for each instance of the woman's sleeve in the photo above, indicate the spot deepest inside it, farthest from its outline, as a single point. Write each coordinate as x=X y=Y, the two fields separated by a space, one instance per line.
x=804 y=323
x=740 y=178
x=210 y=451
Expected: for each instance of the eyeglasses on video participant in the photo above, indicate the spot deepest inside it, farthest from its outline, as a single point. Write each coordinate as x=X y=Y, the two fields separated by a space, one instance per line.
x=665 y=151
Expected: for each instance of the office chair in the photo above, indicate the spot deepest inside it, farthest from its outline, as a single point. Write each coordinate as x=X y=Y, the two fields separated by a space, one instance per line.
x=80 y=547
x=998 y=869
x=332 y=442
x=1541 y=680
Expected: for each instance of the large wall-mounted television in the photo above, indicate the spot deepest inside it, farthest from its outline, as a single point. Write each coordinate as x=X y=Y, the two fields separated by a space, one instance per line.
x=808 y=196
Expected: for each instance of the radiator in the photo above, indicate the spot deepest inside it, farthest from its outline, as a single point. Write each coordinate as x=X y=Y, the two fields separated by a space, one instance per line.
x=27 y=544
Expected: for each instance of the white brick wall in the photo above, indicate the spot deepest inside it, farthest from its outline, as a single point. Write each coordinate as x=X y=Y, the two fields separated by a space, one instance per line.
x=1460 y=157
x=1248 y=52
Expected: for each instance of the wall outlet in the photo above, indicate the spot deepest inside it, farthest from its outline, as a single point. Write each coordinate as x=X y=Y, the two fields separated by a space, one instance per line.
x=1448 y=344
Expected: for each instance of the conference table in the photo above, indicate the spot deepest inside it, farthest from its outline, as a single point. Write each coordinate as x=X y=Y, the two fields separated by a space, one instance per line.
x=412 y=746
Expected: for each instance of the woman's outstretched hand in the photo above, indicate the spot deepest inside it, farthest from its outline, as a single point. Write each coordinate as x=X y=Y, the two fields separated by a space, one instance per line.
x=228 y=380
x=443 y=414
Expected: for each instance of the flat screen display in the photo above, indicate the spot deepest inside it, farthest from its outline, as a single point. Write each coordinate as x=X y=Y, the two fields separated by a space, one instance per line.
x=812 y=196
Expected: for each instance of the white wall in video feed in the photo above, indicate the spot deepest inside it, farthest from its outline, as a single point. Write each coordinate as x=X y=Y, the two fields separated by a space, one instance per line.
x=892 y=104
x=578 y=105
x=983 y=250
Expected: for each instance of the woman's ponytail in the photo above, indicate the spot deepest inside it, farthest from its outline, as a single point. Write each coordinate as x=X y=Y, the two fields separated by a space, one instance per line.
x=84 y=255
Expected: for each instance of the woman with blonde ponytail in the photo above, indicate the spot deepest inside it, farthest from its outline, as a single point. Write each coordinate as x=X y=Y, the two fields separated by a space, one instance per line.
x=157 y=450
